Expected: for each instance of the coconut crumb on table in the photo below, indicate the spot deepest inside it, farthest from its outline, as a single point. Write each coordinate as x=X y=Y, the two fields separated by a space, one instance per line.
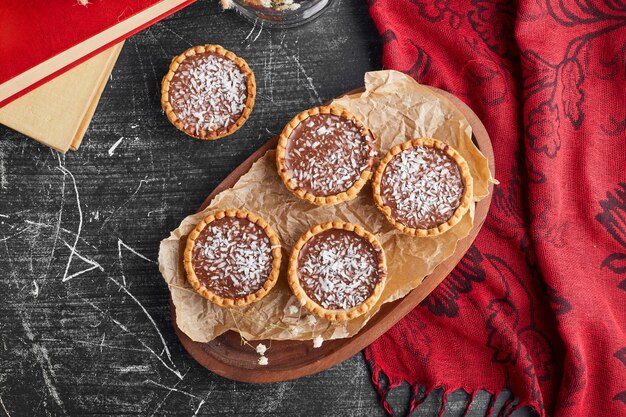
x=261 y=349
x=317 y=342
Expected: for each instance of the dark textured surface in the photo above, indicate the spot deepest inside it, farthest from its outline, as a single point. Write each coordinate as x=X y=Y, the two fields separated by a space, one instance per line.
x=84 y=325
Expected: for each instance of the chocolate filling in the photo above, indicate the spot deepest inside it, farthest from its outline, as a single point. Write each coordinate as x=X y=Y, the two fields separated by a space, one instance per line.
x=208 y=92
x=232 y=257
x=326 y=154
x=338 y=269
x=422 y=186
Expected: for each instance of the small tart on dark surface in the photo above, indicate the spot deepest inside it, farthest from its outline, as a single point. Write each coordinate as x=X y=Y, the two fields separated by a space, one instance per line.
x=208 y=92
x=325 y=155
x=232 y=258
x=423 y=186
x=337 y=270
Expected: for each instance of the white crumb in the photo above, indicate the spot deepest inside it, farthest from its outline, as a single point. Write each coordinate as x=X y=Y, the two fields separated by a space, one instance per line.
x=261 y=349
x=310 y=320
x=317 y=342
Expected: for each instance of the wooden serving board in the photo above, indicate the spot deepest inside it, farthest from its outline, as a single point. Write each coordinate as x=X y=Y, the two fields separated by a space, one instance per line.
x=228 y=357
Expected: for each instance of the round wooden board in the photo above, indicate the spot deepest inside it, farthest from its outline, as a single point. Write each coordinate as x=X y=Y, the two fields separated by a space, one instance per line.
x=228 y=357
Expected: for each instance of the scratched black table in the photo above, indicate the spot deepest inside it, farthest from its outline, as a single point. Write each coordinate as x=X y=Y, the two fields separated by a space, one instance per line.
x=84 y=318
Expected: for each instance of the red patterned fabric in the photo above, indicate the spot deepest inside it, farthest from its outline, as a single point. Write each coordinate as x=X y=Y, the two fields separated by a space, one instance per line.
x=538 y=304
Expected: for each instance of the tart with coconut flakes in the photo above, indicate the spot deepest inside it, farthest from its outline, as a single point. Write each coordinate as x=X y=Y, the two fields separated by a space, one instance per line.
x=423 y=186
x=208 y=92
x=337 y=271
x=325 y=155
x=232 y=258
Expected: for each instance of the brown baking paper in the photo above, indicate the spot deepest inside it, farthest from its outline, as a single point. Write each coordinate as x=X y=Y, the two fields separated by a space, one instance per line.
x=396 y=109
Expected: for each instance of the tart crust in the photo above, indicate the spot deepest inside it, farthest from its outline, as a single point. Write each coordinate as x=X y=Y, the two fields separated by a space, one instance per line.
x=210 y=295
x=291 y=184
x=218 y=50
x=314 y=307
x=466 y=198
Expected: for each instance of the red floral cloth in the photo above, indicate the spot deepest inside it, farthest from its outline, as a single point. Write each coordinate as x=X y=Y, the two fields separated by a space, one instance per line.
x=538 y=304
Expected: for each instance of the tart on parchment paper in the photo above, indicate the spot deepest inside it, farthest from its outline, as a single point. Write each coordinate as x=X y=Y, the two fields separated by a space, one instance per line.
x=396 y=109
x=208 y=92
x=423 y=186
x=337 y=270
x=325 y=155
x=232 y=258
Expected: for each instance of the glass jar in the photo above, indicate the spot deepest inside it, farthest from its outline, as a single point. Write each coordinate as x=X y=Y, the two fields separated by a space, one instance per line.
x=280 y=13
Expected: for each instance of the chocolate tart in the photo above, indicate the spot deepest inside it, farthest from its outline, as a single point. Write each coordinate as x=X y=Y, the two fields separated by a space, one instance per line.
x=423 y=186
x=325 y=155
x=337 y=270
x=232 y=258
x=208 y=92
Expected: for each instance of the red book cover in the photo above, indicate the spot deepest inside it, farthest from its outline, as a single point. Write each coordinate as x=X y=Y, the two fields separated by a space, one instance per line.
x=40 y=39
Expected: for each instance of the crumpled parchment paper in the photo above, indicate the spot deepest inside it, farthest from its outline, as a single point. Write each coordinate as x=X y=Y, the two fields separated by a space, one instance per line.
x=396 y=108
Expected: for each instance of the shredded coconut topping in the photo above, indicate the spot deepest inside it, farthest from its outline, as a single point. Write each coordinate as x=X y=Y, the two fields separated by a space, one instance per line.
x=423 y=187
x=208 y=92
x=338 y=269
x=232 y=257
x=326 y=154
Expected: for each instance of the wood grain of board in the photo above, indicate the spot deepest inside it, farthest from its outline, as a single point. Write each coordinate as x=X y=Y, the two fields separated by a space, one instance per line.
x=226 y=355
